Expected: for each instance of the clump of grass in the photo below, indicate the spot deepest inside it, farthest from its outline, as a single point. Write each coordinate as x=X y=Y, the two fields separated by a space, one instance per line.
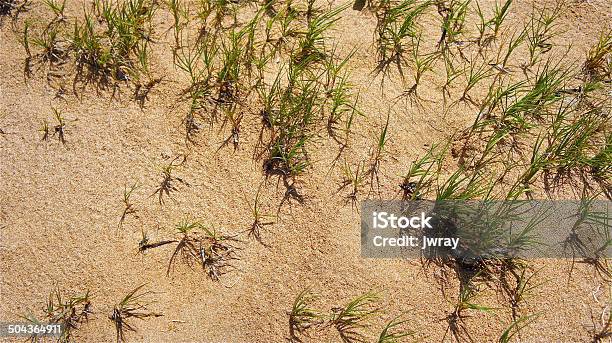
x=199 y=63
x=422 y=64
x=169 y=181
x=493 y=24
x=456 y=319
x=310 y=46
x=219 y=69
x=291 y=114
x=378 y=153
x=260 y=219
x=302 y=317
x=353 y=179
x=598 y=64
x=132 y=306
x=423 y=173
x=53 y=48
x=342 y=108
x=128 y=207
x=209 y=249
x=59 y=129
x=351 y=319
x=453 y=14
x=542 y=28
x=114 y=41
x=68 y=311
x=517 y=286
x=310 y=93
x=516 y=326
x=396 y=27
x=57 y=8
x=392 y=332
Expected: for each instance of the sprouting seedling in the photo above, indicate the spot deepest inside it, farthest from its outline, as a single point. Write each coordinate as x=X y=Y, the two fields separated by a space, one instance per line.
x=516 y=326
x=519 y=289
x=68 y=311
x=394 y=25
x=310 y=45
x=50 y=46
x=59 y=129
x=593 y=247
x=494 y=24
x=235 y=120
x=169 y=181
x=178 y=14
x=476 y=74
x=456 y=319
x=354 y=180
x=422 y=64
x=131 y=306
x=422 y=174
x=260 y=219
x=44 y=128
x=302 y=317
x=541 y=30
x=57 y=8
x=188 y=246
x=453 y=21
x=211 y=250
x=392 y=332
x=351 y=320
x=379 y=153
x=128 y=207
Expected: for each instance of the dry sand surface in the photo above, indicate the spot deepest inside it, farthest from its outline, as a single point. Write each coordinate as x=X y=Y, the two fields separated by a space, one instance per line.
x=60 y=204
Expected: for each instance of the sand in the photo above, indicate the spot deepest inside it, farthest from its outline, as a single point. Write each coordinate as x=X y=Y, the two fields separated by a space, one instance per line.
x=60 y=206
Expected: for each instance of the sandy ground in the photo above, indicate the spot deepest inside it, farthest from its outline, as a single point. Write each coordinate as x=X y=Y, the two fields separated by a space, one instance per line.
x=60 y=207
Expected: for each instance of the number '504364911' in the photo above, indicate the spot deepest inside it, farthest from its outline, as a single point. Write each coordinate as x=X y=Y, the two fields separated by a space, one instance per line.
x=21 y=329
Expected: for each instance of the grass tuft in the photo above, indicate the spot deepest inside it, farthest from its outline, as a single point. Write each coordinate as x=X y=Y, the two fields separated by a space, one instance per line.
x=68 y=311
x=302 y=317
x=132 y=306
x=351 y=320
x=209 y=249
